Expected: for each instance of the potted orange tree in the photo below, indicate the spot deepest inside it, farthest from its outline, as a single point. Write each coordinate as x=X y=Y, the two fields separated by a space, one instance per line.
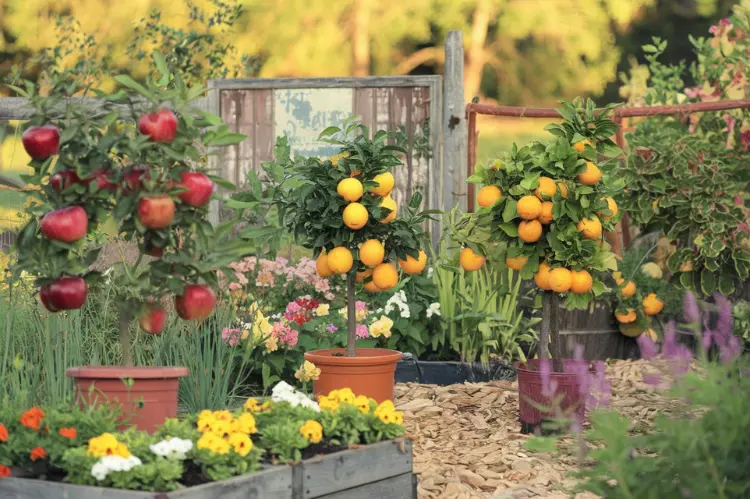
x=548 y=204
x=342 y=209
x=91 y=165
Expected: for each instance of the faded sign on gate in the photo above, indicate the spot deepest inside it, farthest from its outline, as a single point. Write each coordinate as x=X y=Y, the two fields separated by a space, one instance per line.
x=301 y=114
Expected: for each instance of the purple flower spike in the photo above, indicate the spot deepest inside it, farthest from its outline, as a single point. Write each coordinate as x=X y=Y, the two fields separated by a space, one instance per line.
x=549 y=385
x=647 y=346
x=690 y=309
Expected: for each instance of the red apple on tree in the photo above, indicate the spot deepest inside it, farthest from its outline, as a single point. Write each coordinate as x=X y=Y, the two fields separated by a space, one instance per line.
x=156 y=212
x=134 y=177
x=101 y=176
x=153 y=319
x=63 y=179
x=198 y=188
x=196 y=302
x=66 y=224
x=160 y=126
x=64 y=293
x=41 y=142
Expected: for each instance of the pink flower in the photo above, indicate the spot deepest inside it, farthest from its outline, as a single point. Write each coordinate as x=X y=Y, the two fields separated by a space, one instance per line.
x=230 y=336
x=362 y=331
x=234 y=286
x=265 y=279
x=286 y=336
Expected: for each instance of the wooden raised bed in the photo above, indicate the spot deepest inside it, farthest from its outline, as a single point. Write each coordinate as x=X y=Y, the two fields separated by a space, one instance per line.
x=379 y=470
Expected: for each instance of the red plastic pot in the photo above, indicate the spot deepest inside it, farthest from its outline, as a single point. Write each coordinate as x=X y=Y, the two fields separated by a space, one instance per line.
x=371 y=372
x=145 y=402
x=530 y=389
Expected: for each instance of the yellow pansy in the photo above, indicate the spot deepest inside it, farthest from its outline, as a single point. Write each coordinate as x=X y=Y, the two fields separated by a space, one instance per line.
x=327 y=403
x=362 y=403
x=312 y=431
x=343 y=395
x=307 y=372
x=214 y=443
x=103 y=445
x=322 y=310
x=220 y=427
x=223 y=415
x=244 y=424
x=241 y=443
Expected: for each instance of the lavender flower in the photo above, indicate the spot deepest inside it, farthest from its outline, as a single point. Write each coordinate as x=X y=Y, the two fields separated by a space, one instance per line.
x=690 y=309
x=549 y=385
x=331 y=328
x=648 y=348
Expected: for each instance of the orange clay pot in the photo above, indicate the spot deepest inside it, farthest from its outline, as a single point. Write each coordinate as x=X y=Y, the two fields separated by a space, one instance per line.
x=146 y=403
x=370 y=373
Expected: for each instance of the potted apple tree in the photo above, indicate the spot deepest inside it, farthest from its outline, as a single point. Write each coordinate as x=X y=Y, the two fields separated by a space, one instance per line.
x=342 y=209
x=93 y=164
x=549 y=205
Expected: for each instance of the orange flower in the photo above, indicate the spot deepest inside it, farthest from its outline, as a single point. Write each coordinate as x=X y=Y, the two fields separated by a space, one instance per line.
x=70 y=433
x=38 y=453
x=32 y=418
x=3 y=433
x=4 y=471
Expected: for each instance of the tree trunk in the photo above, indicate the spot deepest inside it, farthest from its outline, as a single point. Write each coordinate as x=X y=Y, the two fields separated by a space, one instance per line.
x=351 y=314
x=549 y=337
x=475 y=58
x=126 y=317
x=361 y=38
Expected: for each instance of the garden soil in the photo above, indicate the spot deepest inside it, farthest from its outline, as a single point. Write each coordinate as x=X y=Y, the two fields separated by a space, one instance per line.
x=468 y=442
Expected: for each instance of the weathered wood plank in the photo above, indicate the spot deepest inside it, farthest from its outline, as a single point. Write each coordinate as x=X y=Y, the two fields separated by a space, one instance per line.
x=352 y=468
x=24 y=488
x=435 y=170
x=398 y=487
x=454 y=124
x=349 y=82
x=18 y=108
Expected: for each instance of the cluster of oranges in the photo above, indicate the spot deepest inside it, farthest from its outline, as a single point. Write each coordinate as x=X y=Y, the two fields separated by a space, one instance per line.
x=652 y=304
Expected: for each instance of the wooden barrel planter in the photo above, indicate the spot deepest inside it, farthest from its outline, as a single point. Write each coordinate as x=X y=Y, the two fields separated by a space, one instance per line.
x=597 y=331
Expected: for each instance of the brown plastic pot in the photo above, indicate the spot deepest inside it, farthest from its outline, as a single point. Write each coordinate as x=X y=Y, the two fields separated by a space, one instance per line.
x=146 y=401
x=530 y=389
x=370 y=373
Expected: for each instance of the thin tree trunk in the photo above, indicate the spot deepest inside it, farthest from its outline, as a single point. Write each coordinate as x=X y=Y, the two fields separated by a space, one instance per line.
x=475 y=58
x=361 y=38
x=125 y=318
x=545 y=327
x=351 y=313
x=555 y=345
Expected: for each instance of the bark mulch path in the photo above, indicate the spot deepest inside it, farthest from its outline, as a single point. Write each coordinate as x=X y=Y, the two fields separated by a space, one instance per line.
x=468 y=444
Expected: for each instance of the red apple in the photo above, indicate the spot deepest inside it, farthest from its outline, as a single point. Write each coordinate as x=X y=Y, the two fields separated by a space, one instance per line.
x=63 y=179
x=199 y=188
x=150 y=249
x=153 y=319
x=65 y=293
x=134 y=177
x=66 y=224
x=160 y=126
x=41 y=142
x=156 y=212
x=196 y=303
x=103 y=183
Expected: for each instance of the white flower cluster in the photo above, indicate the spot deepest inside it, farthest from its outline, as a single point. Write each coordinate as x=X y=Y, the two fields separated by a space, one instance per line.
x=433 y=309
x=398 y=300
x=109 y=464
x=172 y=448
x=429 y=272
x=284 y=392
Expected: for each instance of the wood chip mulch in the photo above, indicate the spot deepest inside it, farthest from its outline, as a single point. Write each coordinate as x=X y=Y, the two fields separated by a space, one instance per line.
x=468 y=443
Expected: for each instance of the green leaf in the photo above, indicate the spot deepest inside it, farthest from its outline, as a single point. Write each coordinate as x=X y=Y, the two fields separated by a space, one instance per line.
x=227 y=139
x=726 y=284
x=127 y=81
x=708 y=282
x=331 y=130
x=510 y=229
x=223 y=183
x=161 y=66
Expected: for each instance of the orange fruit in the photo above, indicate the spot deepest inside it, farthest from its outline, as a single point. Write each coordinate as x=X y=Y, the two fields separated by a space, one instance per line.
x=545 y=217
x=581 y=146
x=529 y=231
x=470 y=261
x=591 y=228
x=350 y=189
x=370 y=287
x=563 y=189
x=546 y=188
x=612 y=205
x=628 y=317
x=412 y=265
x=321 y=265
x=385 y=184
x=385 y=276
x=489 y=195
x=529 y=207
x=390 y=204
x=517 y=262
x=582 y=282
x=652 y=305
x=628 y=290
x=371 y=253
x=340 y=260
x=542 y=276
x=361 y=276
x=355 y=216
x=560 y=280
x=591 y=175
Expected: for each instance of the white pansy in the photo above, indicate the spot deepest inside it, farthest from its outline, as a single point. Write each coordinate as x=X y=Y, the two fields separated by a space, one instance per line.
x=429 y=273
x=284 y=392
x=433 y=309
x=173 y=448
x=398 y=301
x=110 y=464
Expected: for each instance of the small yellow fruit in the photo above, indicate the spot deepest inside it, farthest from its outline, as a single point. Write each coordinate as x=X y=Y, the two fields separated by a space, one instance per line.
x=591 y=175
x=652 y=270
x=371 y=253
x=370 y=287
x=628 y=317
x=496 y=165
x=652 y=305
x=321 y=265
x=581 y=146
x=560 y=280
x=529 y=207
x=546 y=188
x=385 y=276
x=545 y=217
x=489 y=195
x=517 y=262
x=390 y=204
x=582 y=282
x=340 y=260
x=542 y=276
x=563 y=189
x=361 y=276
x=470 y=261
x=591 y=228
x=355 y=216
x=628 y=290
x=529 y=231
x=631 y=330
x=412 y=265
x=385 y=184
x=350 y=189
x=612 y=205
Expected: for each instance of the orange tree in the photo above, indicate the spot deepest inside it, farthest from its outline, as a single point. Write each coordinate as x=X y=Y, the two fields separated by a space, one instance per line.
x=549 y=204
x=342 y=209
x=139 y=157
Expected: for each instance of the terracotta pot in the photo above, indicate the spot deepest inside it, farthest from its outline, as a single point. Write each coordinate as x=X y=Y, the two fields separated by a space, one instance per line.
x=146 y=403
x=530 y=389
x=370 y=372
